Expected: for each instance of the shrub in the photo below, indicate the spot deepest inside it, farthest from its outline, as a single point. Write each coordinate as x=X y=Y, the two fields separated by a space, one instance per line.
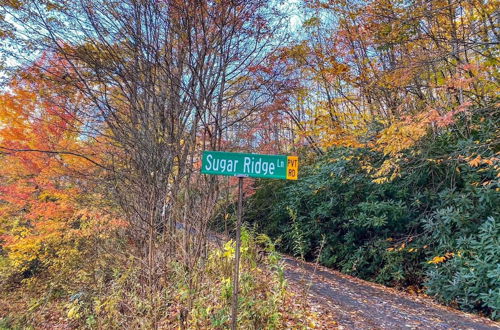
x=432 y=225
x=471 y=277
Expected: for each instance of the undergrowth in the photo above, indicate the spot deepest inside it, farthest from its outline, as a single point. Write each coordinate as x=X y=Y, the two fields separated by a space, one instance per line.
x=108 y=293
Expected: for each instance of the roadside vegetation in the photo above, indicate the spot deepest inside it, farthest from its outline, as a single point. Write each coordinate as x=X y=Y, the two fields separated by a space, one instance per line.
x=433 y=228
x=94 y=284
x=106 y=107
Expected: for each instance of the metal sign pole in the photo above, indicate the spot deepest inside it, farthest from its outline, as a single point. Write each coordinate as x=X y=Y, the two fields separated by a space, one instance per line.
x=234 y=312
x=243 y=165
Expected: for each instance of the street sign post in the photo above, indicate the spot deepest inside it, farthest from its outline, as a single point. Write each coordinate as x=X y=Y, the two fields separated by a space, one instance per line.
x=242 y=165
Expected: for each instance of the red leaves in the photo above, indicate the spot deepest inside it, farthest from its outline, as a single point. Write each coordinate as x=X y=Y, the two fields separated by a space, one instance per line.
x=38 y=195
x=260 y=68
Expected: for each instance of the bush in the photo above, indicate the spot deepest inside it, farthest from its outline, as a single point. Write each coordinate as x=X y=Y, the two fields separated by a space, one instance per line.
x=432 y=226
x=471 y=278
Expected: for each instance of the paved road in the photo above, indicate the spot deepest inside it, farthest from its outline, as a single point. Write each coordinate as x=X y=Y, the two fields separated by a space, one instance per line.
x=358 y=304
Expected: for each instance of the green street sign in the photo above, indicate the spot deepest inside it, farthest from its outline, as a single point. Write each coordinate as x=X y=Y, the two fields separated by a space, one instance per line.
x=241 y=166
x=250 y=165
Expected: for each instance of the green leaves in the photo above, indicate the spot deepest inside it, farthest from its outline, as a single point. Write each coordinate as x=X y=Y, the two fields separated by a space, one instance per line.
x=472 y=277
x=440 y=209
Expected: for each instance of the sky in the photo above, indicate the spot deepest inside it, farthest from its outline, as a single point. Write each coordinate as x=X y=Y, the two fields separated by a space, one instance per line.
x=290 y=7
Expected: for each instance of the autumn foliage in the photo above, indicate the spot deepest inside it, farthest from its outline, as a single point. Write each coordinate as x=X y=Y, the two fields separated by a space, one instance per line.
x=46 y=213
x=392 y=106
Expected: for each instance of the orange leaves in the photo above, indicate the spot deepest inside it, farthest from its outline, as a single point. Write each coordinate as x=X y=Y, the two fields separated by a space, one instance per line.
x=297 y=52
x=16 y=193
x=440 y=259
x=399 y=63
x=13 y=117
x=436 y=260
x=405 y=133
x=401 y=135
x=400 y=247
x=477 y=161
x=39 y=197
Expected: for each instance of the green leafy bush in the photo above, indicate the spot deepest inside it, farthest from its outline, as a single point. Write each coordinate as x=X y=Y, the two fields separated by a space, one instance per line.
x=435 y=226
x=472 y=277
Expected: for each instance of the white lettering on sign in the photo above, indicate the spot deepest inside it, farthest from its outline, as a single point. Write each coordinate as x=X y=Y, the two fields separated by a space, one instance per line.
x=223 y=165
x=258 y=166
x=251 y=165
x=271 y=168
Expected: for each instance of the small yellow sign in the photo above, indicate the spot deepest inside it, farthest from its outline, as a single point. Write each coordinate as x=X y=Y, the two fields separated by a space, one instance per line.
x=292 y=168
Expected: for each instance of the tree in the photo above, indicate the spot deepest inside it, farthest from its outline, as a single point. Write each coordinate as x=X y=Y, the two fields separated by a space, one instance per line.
x=371 y=73
x=45 y=213
x=162 y=79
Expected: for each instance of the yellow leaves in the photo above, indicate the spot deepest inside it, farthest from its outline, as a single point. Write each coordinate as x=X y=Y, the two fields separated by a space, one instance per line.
x=297 y=52
x=400 y=136
x=229 y=250
x=439 y=259
x=51 y=238
x=401 y=247
x=380 y=180
x=330 y=73
x=367 y=167
x=312 y=22
x=330 y=127
x=74 y=310
x=436 y=260
x=16 y=4
x=388 y=171
x=22 y=253
x=52 y=196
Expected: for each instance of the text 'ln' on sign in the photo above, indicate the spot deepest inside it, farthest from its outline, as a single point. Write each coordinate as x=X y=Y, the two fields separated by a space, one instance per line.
x=250 y=165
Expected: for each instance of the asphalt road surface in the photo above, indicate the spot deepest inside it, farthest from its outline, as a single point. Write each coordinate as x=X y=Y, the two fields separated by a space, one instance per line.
x=358 y=304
